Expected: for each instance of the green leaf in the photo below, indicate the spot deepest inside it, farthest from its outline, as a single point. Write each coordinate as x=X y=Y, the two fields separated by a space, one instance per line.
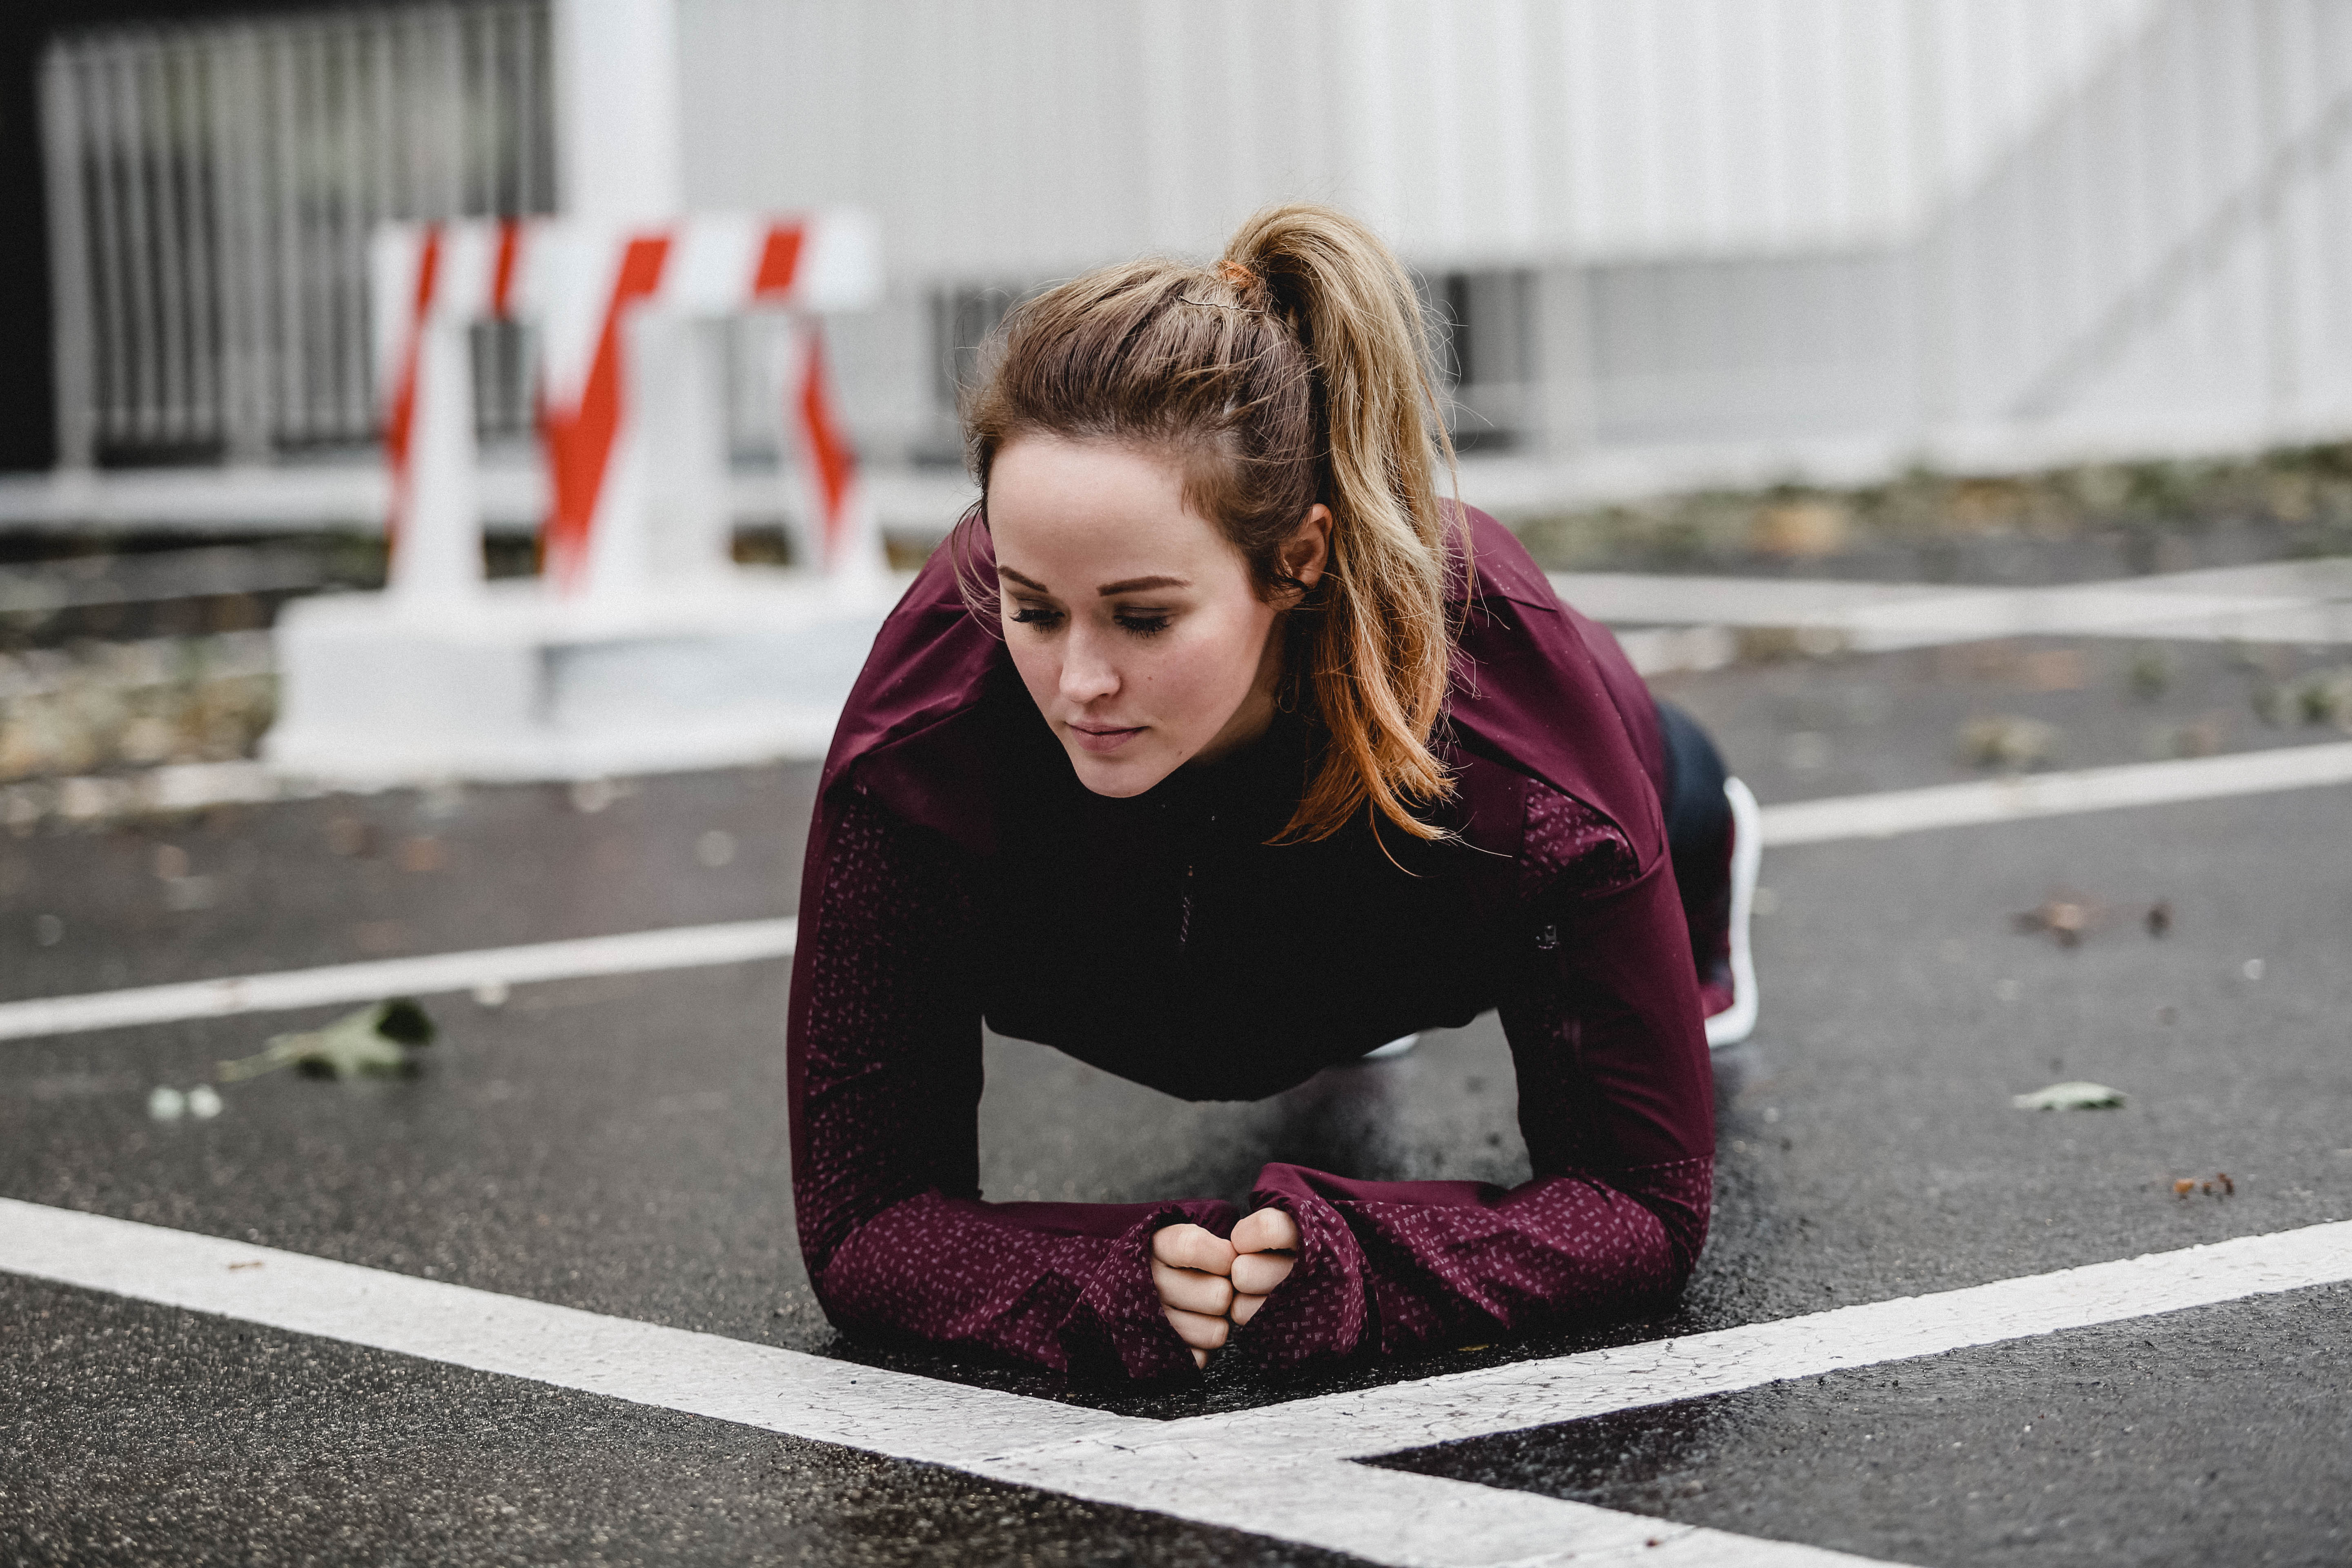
x=377 y=1039
x=2070 y=1097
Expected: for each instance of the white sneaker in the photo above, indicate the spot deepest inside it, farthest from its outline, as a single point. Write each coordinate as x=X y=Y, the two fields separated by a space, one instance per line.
x=1737 y=1021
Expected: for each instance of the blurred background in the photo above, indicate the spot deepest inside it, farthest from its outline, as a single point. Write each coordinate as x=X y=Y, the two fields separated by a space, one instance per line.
x=1999 y=291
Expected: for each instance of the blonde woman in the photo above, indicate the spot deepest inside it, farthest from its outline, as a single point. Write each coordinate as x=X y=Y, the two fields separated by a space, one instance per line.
x=1216 y=749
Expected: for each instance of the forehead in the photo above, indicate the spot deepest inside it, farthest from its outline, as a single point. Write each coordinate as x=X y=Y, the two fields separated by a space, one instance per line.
x=1060 y=506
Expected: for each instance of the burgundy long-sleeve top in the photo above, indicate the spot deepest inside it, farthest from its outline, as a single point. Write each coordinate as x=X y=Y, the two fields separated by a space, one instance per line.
x=957 y=871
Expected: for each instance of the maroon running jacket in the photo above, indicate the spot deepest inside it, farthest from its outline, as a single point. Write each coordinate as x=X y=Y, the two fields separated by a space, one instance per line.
x=958 y=871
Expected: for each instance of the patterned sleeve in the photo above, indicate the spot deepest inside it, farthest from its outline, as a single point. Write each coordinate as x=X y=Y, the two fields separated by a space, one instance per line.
x=1616 y=1102
x=885 y=1082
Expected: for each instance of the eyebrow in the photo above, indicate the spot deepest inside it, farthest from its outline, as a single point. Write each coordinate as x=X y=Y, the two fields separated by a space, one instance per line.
x=1126 y=585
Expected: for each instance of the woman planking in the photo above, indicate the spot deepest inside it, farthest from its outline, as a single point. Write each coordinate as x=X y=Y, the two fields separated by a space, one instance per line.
x=1216 y=749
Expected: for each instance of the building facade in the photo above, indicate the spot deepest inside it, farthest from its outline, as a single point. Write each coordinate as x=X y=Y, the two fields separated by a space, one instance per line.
x=1662 y=239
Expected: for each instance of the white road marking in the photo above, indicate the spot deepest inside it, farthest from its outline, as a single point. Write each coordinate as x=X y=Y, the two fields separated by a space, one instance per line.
x=1280 y=1470
x=2298 y=601
x=1878 y=815
x=677 y=947
x=1413 y=1522
x=1891 y=812
x=1522 y=1394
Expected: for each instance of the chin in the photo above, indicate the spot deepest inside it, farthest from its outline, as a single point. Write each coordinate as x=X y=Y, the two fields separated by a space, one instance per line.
x=1119 y=778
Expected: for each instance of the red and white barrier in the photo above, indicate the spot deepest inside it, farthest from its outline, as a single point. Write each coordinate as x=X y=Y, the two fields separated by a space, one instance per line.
x=630 y=424
x=431 y=283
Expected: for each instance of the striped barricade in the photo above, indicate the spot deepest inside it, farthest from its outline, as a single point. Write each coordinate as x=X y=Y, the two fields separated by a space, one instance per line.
x=630 y=422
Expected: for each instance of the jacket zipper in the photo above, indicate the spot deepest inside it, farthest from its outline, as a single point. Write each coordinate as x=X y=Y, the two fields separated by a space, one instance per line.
x=1184 y=911
x=1184 y=901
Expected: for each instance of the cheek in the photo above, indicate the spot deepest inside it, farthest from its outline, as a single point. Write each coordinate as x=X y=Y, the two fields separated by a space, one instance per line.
x=1210 y=673
x=1033 y=659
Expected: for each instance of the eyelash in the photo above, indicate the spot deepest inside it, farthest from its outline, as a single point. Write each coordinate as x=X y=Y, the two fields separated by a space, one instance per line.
x=1047 y=620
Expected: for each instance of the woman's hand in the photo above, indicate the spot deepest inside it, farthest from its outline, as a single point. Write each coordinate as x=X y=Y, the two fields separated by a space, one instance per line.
x=1191 y=1268
x=1264 y=1247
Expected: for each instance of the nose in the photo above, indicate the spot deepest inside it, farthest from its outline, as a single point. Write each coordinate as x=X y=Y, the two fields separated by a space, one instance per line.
x=1087 y=673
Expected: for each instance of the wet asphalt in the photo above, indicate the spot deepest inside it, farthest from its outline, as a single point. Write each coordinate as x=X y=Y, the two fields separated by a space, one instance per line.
x=618 y=1144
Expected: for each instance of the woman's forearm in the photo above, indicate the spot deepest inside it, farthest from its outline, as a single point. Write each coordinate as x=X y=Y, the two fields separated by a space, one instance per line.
x=1395 y=1267
x=1065 y=1286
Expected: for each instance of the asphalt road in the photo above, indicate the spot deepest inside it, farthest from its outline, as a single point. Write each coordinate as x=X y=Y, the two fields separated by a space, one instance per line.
x=618 y=1144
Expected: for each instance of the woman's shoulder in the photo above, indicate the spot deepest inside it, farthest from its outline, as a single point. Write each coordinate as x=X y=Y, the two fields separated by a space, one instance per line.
x=912 y=731
x=1542 y=695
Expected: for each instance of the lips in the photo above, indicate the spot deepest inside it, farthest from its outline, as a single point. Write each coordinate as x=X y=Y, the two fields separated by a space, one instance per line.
x=1103 y=738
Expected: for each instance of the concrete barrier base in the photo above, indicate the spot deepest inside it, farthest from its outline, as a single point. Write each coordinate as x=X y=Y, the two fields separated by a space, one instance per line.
x=513 y=684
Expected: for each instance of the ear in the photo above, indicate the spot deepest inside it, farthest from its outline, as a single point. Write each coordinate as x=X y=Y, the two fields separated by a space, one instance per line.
x=1304 y=554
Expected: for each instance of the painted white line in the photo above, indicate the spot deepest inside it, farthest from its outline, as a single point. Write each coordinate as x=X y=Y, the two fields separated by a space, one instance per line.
x=704 y=1375
x=1667 y=600
x=678 y=947
x=1523 y=1395
x=1380 y=1515
x=1278 y=1470
x=1411 y=1522
x=2056 y=794
x=2303 y=601
x=1795 y=821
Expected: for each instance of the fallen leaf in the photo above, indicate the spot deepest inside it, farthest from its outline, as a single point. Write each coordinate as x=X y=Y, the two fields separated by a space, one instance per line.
x=377 y=1038
x=2066 y=917
x=2068 y=1096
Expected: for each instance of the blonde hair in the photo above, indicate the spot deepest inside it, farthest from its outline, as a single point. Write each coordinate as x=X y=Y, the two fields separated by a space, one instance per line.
x=1293 y=370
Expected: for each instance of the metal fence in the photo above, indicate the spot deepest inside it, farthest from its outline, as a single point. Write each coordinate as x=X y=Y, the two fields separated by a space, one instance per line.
x=211 y=192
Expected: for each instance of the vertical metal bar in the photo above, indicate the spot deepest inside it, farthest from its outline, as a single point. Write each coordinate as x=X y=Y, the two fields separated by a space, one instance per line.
x=110 y=317
x=73 y=344
x=237 y=148
x=168 y=257
x=298 y=150
x=145 y=324
x=196 y=54
x=351 y=42
x=288 y=219
x=453 y=135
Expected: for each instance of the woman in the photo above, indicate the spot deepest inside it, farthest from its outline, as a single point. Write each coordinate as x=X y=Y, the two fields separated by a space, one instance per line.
x=1215 y=750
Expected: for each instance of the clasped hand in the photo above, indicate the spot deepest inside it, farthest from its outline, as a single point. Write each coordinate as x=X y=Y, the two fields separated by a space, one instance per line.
x=1210 y=1286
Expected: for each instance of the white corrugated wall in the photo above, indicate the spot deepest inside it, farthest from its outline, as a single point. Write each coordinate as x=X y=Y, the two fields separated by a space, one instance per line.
x=1020 y=137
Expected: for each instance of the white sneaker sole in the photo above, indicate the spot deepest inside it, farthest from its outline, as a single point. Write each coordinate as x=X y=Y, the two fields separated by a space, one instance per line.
x=1737 y=1021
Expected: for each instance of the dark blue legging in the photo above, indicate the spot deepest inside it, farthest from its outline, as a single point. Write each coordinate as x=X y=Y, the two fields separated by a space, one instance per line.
x=1698 y=829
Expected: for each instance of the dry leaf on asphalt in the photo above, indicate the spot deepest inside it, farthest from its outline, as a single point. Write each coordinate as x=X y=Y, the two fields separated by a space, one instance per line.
x=2067 y=917
x=2068 y=1096
x=378 y=1039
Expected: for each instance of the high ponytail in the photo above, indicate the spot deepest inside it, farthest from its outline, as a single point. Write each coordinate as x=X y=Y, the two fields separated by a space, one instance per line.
x=1293 y=370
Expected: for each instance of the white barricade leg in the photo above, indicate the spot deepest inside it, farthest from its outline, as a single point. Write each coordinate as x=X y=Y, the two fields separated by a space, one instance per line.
x=840 y=517
x=613 y=566
x=436 y=551
x=689 y=532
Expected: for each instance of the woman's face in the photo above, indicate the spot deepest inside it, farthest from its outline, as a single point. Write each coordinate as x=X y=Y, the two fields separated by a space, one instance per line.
x=1132 y=620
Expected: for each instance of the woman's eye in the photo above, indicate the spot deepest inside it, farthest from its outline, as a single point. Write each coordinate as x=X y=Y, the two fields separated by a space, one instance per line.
x=1036 y=616
x=1143 y=626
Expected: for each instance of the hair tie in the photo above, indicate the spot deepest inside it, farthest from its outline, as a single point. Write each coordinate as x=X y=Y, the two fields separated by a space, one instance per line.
x=1234 y=273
